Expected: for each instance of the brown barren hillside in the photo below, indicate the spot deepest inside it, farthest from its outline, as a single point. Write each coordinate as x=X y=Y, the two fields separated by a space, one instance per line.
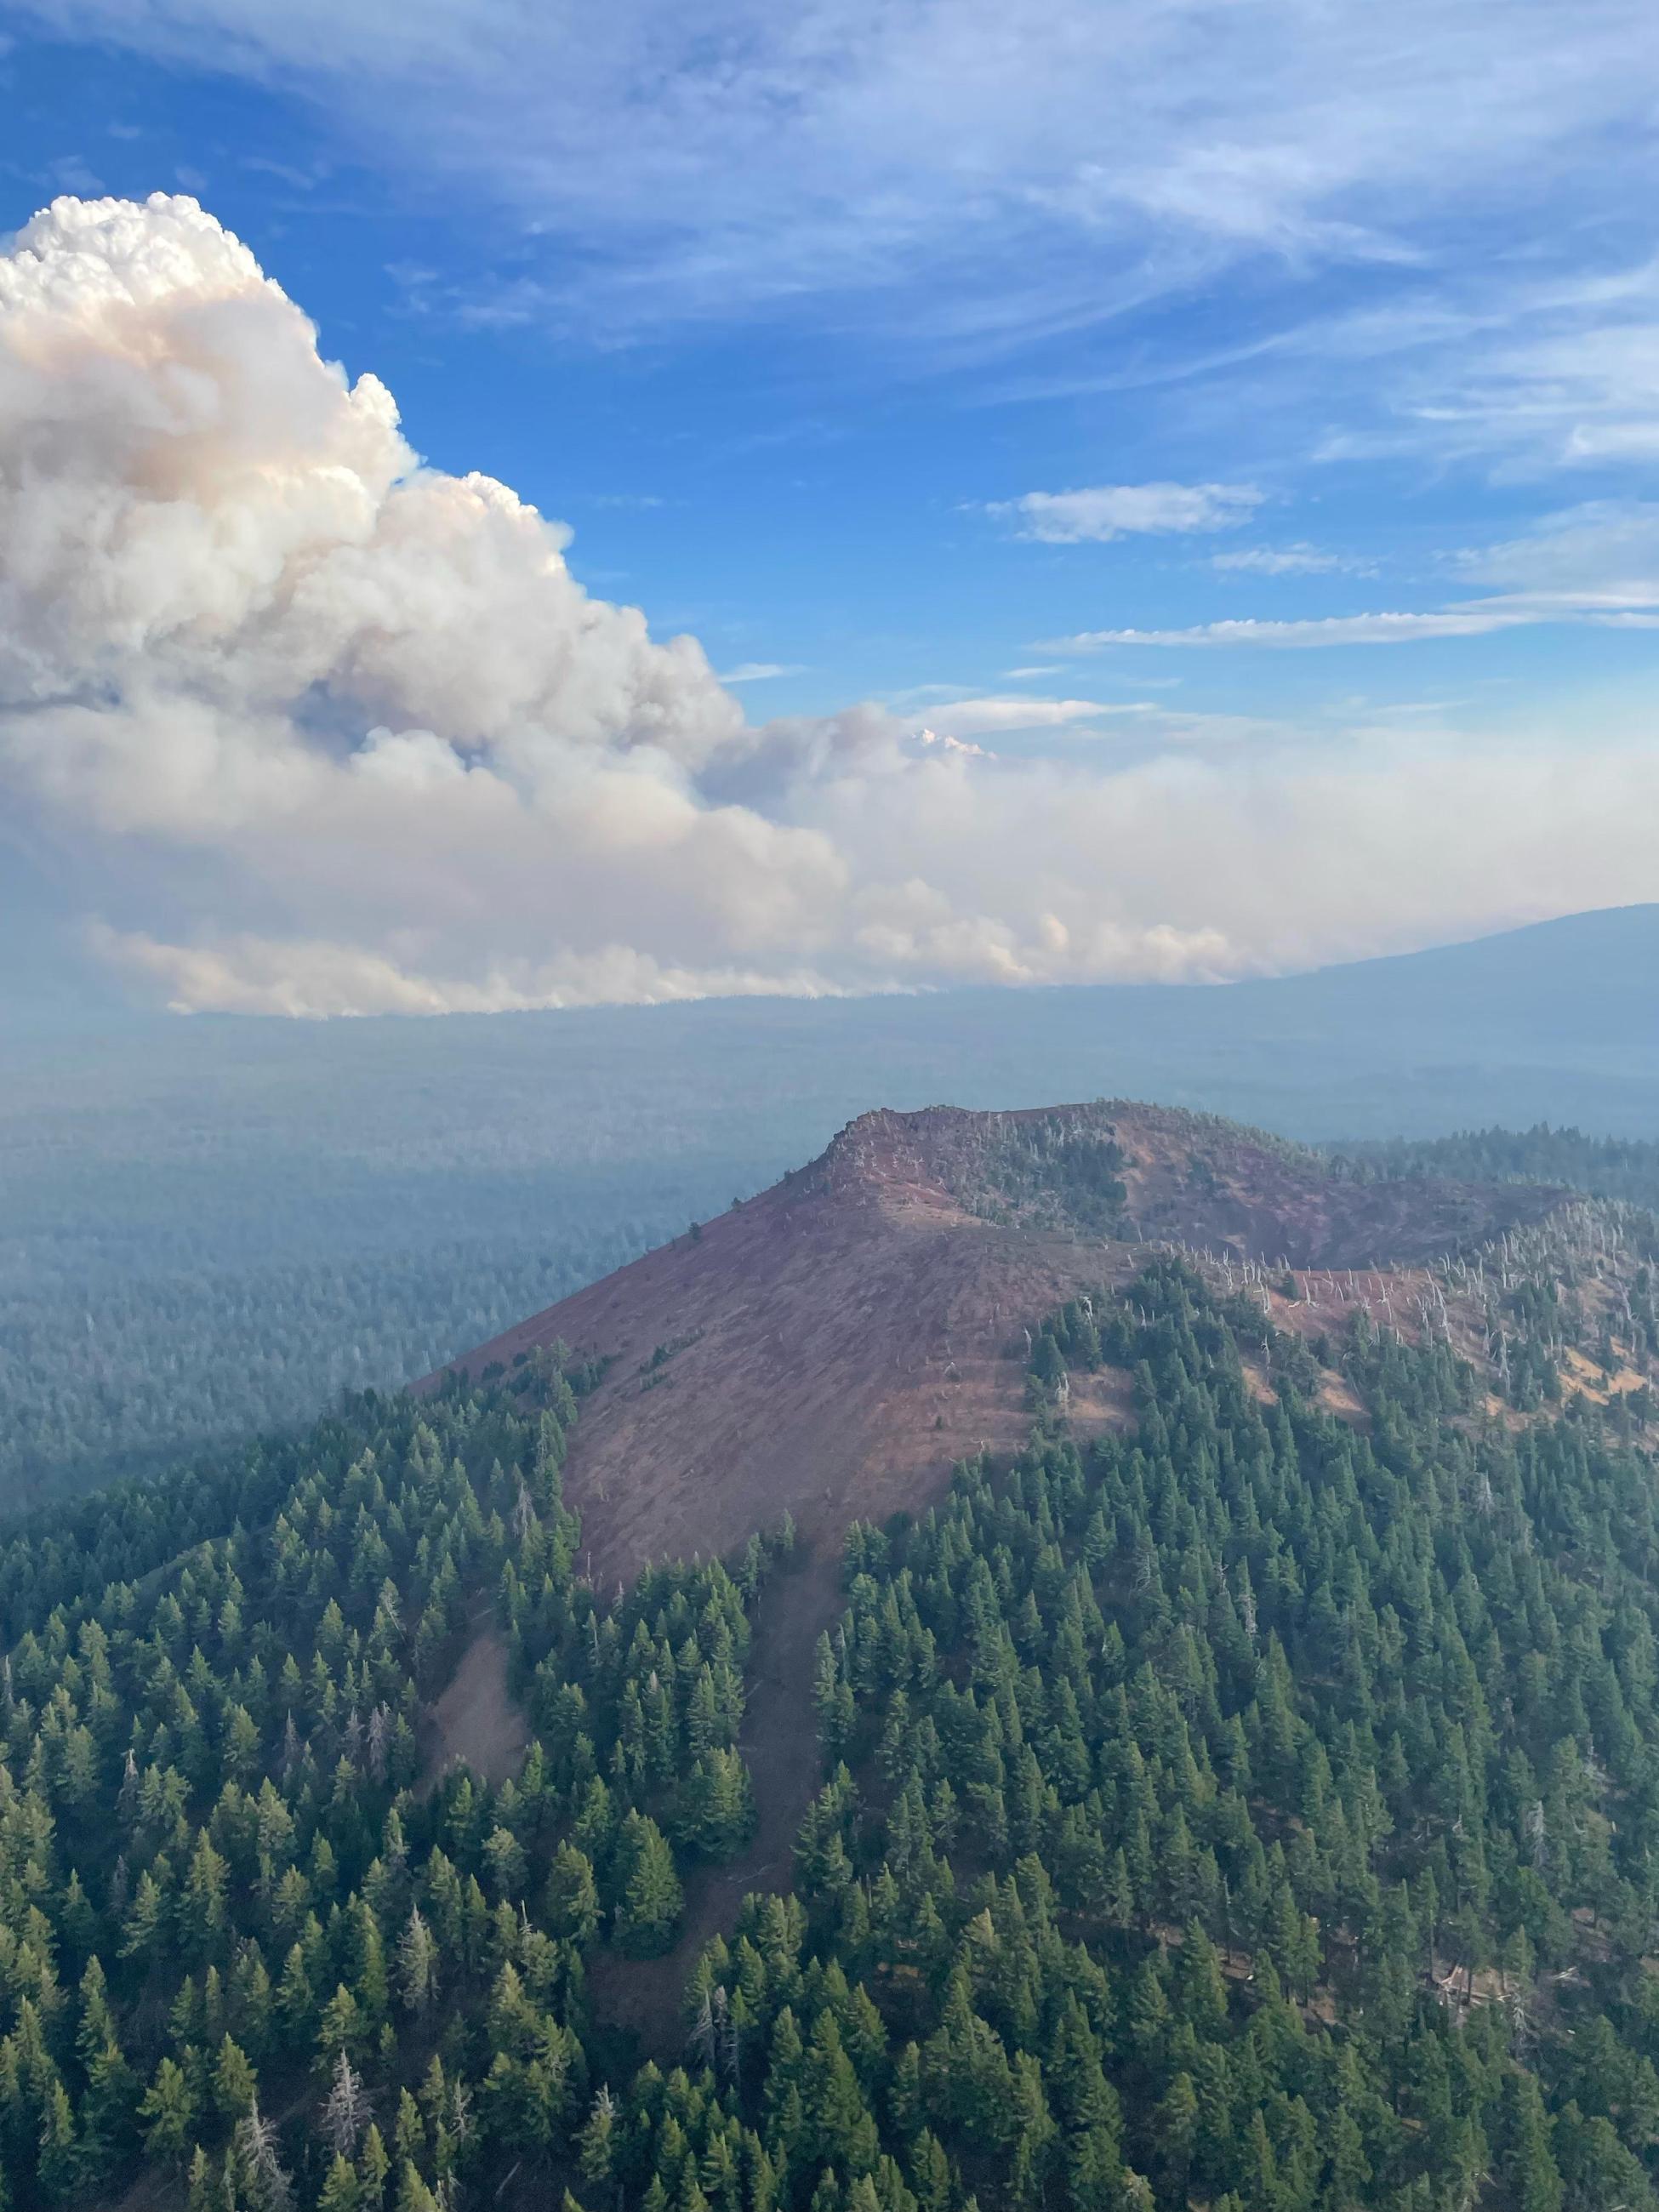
x=832 y=1346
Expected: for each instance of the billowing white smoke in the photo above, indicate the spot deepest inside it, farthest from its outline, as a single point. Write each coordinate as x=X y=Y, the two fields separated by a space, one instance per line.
x=240 y=617
x=342 y=733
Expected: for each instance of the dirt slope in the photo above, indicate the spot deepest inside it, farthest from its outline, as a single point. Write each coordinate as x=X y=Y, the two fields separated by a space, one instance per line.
x=832 y=1346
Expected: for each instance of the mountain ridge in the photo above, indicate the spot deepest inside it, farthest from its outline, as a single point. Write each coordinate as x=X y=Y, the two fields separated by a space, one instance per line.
x=830 y=1347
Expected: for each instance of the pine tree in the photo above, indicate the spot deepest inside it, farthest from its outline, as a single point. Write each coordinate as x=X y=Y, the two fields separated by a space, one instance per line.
x=341 y=2191
x=1528 y=2166
x=234 y=2081
x=573 y=1899
x=417 y=1964
x=373 y=2164
x=597 y=2144
x=58 y=2166
x=1035 y=2134
x=167 y=2113
x=201 y=2191
x=1174 y=2129
x=652 y=1899
x=341 y=2027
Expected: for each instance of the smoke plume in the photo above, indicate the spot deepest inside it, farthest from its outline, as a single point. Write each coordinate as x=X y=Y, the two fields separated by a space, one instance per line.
x=330 y=732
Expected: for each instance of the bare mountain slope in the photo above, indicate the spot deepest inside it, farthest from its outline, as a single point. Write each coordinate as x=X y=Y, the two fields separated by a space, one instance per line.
x=832 y=1346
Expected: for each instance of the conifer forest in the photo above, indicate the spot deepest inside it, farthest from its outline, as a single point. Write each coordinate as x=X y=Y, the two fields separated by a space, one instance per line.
x=1254 y=1809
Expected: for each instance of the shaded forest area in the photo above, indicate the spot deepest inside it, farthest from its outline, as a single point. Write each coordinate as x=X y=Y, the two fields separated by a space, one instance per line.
x=204 y=1235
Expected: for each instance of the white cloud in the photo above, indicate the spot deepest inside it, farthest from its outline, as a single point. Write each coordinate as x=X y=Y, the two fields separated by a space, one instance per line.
x=979 y=716
x=1102 y=512
x=1331 y=629
x=759 y=671
x=1596 y=563
x=944 y=743
x=334 y=732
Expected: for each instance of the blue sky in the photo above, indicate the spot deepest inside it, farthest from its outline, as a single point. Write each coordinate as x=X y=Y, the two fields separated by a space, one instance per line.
x=1085 y=383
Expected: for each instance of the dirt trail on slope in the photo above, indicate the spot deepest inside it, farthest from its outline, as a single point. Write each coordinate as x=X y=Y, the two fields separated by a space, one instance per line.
x=780 y=1744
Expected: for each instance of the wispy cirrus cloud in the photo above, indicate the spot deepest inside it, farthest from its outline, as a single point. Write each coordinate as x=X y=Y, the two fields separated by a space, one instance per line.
x=1492 y=363
x=983 y=189
x=1599 y=554
x=1586 y=567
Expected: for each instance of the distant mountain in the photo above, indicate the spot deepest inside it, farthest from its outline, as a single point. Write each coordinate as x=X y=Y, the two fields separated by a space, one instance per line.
x=1565 y=1009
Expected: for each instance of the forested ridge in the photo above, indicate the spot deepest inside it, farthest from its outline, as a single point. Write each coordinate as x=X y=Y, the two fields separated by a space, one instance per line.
x=1254 y=1811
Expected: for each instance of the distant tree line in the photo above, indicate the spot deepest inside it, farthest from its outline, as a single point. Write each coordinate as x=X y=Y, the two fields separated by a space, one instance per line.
x=1605 y=1167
